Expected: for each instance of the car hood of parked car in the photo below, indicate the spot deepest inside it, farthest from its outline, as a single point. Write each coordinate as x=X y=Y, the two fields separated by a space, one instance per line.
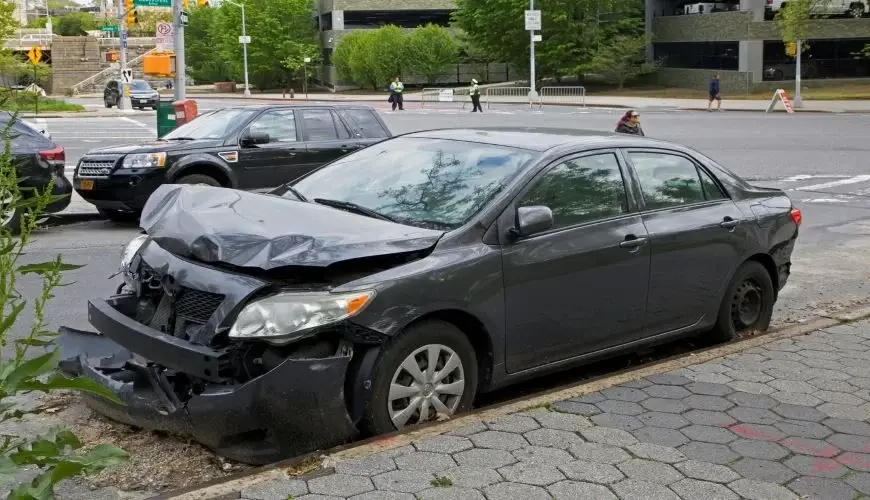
x=158 y=146
x=250 y=230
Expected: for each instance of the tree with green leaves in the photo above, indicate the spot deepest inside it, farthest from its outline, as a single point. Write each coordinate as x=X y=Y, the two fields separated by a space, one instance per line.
x=792 y=20
x=571 y=30
x=620 y=59
x=354 y=59
x=390 y=53
x=431 y=50
x=8 y=23
x=203 y=63
x=278 y=28
x=75 y=24
x=30 y=364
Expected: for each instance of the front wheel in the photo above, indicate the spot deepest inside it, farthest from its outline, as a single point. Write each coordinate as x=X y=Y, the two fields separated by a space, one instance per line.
x=107 y=103
x=748 y=303
x=427 y=373
x=856 y=10
x=199 y=179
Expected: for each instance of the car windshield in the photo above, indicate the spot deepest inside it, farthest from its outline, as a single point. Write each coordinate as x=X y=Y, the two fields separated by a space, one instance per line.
x=214 y=125
x=435 y=183
x=141 y=86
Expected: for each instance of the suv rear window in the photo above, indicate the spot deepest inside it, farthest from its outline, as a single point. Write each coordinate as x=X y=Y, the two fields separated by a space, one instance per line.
x=366 y=122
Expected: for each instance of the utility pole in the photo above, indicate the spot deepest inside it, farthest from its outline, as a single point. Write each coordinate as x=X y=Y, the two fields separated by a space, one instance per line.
x=178 y=42
x=797 y=75
x=244 y=41
x=124 y=102
x=532 y=92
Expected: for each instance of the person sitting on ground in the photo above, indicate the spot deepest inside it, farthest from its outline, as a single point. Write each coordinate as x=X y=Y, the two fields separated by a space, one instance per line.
x=629 y=123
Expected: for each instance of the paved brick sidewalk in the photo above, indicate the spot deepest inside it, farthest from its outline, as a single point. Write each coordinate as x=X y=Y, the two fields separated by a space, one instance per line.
x=786 y=420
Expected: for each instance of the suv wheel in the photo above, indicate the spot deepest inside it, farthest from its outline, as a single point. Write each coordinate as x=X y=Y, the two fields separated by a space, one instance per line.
x=856 y=10
x=118 y=215
x=426 y=373
x=199 y=179
x=10 y=217
x=107 y=103
x=748 y=303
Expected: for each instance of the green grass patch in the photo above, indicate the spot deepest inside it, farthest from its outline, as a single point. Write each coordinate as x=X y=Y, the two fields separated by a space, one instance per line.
x=26 y=102
x=441 y=482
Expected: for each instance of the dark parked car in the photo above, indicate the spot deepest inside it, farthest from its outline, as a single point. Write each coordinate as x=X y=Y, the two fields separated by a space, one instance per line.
x=396 y=283
x=142 y=95
x=38 y=161
x=250 y=148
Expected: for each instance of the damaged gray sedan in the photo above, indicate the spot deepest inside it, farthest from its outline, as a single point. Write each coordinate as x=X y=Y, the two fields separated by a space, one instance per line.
x=391 y=286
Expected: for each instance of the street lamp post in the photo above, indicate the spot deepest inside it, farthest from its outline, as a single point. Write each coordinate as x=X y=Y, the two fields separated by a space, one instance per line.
x=244 y=40
x=305 y=62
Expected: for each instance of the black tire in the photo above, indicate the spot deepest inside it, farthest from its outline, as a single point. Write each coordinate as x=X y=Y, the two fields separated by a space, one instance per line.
x=777 y=75
x=118 y=215
x=107 y=103
x=141 y=108
x=154 y=108
x=748 y=303
x=14 y=224
x=198 y=179
x=376 y=418
x=856 y=10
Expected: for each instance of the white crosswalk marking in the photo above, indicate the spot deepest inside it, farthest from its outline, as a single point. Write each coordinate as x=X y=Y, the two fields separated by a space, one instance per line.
x=828 y=185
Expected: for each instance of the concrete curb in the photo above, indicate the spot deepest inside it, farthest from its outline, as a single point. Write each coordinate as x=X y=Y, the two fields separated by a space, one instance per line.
x=227 y=488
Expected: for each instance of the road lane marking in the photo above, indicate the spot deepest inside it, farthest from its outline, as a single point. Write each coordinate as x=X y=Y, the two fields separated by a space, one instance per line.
x=827 y=185
x=140 y=124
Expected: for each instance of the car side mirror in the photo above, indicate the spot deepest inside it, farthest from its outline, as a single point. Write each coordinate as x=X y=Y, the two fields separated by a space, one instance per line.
x=533 y=220
x=251 y=138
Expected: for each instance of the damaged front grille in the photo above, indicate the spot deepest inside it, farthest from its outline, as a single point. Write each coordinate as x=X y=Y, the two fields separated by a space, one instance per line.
x=173 y=309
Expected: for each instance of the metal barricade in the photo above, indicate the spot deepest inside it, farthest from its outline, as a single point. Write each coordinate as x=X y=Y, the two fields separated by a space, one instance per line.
x=507 y=95
x=441 y=94
x=571 y=96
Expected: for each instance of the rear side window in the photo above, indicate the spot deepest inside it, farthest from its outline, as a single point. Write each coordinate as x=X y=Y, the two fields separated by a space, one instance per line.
x=667 y=180
x=366 y=122
x=343 y=132
x=319 y=125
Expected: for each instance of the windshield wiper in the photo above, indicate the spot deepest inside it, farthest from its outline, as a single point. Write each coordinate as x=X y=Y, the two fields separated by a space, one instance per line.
x=353 y=207
x=181 y=139
x=295 y=192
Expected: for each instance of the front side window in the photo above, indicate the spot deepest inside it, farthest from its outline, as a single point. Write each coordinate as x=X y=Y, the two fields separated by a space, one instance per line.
x=667 y=180
x=280 y=125
x=581 y=190
x=435 y=183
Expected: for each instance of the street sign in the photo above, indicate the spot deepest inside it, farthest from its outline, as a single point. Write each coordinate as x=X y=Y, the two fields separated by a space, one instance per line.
x=127 y=75
x=445 y=95
x=306 y=60
x=533 y=20
x=124 y=39
x=35 y=55
x=183 y=18
x=780 y=96
x=165 y=37
x=152 y=3
x=245 y=39
x=109 y=29
x=537 y=38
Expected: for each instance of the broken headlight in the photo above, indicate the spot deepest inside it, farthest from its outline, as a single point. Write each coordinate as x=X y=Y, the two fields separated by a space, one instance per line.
x=283 y=318
x=127 y=256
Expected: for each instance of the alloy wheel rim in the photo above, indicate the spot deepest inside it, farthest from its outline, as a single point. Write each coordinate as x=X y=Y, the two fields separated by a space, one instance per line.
x=7 y=212
x=746 y=306
x=428 y=384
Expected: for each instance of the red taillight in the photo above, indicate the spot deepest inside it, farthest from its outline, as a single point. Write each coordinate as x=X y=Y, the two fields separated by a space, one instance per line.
x=54 y=157
x=769 y=2
x=796 y=216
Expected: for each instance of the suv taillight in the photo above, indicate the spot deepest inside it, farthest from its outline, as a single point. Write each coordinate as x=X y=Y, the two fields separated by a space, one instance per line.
x=769 y=2
x=56 y=157
x=796 y=216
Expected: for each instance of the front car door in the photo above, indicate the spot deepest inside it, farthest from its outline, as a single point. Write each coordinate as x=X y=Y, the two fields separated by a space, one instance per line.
x=580 y=286
x=269 y=165
x=697 y=237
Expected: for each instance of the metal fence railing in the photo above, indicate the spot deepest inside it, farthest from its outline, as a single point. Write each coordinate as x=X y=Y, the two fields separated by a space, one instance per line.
x=507 y=95
x=443 y=95
x=572 y=96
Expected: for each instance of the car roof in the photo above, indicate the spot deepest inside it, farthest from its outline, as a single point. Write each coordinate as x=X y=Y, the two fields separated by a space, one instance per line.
x=541 y=138
x=299 y=105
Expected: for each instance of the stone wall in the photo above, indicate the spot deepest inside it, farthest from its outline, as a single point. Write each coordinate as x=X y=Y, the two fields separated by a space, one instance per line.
x=736 y=26
x=733 y=82
x=73 y=58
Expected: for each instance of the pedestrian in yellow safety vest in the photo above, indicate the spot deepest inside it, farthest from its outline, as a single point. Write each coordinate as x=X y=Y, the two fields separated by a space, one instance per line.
x=396 y=89
x=474 y=92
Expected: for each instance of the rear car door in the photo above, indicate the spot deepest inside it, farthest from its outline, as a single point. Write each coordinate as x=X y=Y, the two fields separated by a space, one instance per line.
x=326 y=136
x=580 y=286
x=697 y=237
x=269 y=165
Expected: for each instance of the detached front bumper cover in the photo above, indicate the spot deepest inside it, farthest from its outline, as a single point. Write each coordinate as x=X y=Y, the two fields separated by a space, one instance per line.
x=295 y=408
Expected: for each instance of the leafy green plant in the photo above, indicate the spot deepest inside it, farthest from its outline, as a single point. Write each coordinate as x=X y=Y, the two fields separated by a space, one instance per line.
x=432 y=50
x=30 y=364
x=621 y=60
x=441 y=482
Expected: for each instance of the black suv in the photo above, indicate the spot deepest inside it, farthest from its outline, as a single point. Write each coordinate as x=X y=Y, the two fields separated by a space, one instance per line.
x=251 y=148
x=142 y=94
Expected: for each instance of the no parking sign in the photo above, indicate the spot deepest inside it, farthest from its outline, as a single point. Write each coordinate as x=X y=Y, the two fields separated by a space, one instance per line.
x=165 y=37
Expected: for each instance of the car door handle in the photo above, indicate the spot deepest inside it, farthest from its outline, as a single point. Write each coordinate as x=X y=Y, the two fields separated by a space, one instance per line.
x=729 y=223
x=632 y=241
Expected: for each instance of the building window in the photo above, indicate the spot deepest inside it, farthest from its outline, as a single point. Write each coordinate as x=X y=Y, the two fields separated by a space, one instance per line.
x=326 y=21
x=698 y=55
x=401 y=18
x=822 y=59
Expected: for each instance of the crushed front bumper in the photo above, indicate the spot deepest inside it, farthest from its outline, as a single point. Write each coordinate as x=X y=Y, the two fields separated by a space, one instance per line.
x=296 y=407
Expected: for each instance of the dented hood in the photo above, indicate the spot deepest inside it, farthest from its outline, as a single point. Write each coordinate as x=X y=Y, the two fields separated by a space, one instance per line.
x=239 y=228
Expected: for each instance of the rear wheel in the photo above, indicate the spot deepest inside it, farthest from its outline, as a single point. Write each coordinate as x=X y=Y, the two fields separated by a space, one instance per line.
x=426 y=373
x=10 y=217
x=198 y=179
x=748 y=303
x=107 y=103
x=118 y=215
x=856 y=10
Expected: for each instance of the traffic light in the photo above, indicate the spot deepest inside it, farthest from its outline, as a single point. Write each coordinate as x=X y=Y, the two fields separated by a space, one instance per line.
x=185 y=4
x=131 y=13
x=202 y=3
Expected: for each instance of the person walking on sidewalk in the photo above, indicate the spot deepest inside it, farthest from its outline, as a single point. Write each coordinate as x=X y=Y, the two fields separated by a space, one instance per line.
x=714 y=94
x=629 y=124
x=396 y=89
x=474 y=92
